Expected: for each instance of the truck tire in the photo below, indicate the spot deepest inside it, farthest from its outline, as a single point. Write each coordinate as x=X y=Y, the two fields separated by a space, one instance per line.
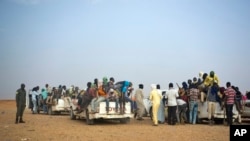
x=218 y=121
x=72 y=115
x=225 y=122
x=198 y=120
x=50 y=112
x=124 y=120
x=89 y=121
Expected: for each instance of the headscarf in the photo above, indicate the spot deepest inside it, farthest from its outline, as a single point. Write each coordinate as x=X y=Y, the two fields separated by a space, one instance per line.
x=184 y=85
x=100 y=83
x=105 y=80
x=211 y=73
x=153 y=86
x=201 y=74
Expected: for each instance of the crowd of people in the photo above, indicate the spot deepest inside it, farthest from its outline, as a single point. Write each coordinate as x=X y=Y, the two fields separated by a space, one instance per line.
x=182 y=102
x=105 y=91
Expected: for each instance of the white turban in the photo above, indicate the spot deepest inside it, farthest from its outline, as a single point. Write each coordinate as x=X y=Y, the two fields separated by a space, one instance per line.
x=153 y=86
x=201 y=74
x=100 y=82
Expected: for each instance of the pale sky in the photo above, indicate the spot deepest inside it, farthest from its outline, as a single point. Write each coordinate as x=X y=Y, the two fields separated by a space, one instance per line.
x=71 y=42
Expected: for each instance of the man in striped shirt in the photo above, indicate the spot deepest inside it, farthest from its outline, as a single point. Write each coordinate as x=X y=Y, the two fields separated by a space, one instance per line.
x=194 y=94
x=230 y=94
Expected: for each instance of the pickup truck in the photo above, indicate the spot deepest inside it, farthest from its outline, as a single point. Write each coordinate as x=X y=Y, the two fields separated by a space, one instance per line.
x=219 y=114
x=101 y=113
x=246 y=109
x=56 y=106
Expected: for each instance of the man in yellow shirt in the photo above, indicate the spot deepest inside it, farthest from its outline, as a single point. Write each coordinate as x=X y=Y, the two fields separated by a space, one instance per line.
x=155 y=98
x=210 y=79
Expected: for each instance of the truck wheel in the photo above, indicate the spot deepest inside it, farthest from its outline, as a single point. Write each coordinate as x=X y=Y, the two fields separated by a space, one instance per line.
x=225 y=122
x=124 y=120
x=72 y=115
x=199 y=120
x=218 y=121
x=50 y=112
x=89 y=121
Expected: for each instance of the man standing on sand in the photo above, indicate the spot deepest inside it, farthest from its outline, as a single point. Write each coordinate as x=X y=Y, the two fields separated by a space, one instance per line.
x=139 y=96
x=194 y=94
x=171 y=95
x=229 y=100
x=20 y=103
x=155 y=98
x=161 y=110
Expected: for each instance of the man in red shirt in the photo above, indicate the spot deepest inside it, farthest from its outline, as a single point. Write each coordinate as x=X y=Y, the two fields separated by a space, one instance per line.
x=230 y=94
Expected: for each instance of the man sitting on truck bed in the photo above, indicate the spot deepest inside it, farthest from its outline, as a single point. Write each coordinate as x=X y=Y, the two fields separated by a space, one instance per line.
x=112 y=95
x=101 y=96
x=87 y=97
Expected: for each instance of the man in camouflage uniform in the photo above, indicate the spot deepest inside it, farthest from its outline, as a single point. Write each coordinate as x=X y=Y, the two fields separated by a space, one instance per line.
x=20 y=103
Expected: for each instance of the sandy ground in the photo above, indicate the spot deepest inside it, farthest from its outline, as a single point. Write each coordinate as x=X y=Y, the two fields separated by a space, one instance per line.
x=41 y=127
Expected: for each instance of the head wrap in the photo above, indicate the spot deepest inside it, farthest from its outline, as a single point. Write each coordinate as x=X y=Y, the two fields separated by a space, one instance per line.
x=212 y=73
x=201 y=74
x=153 y=86
x=105 y=80
x=100 y=83
x=184 y=85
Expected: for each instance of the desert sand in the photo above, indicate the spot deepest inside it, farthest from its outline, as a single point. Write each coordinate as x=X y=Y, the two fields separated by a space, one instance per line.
x=42 y=127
